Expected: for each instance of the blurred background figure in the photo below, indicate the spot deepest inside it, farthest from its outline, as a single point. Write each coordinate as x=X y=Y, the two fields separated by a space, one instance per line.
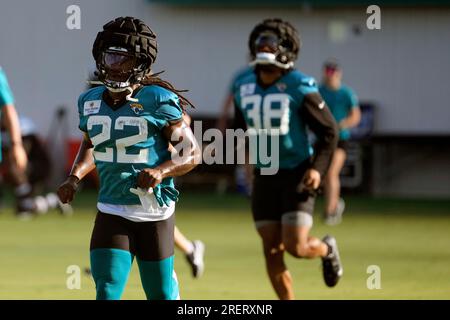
x=194 y=252
x=243 y=173
x=343 y=104
x=31 y=183
x=11 y=121
x=21 y=174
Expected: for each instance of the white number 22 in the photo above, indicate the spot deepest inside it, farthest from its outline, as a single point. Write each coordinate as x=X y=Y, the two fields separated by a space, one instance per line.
x=121 y=144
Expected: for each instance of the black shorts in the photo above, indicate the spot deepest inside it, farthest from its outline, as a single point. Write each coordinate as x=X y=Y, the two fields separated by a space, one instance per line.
x=150 y=241
x=343 y=144
x=274 y=196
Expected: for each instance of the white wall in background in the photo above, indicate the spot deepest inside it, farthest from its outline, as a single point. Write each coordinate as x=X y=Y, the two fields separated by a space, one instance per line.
x=404 y=67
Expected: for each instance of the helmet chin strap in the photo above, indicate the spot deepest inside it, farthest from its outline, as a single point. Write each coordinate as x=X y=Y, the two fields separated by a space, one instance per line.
x=128 y=96
x=270 y=58
x=115 y=90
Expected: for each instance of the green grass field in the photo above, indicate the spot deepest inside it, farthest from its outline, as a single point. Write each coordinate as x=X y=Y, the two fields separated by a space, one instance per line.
x=408 y=239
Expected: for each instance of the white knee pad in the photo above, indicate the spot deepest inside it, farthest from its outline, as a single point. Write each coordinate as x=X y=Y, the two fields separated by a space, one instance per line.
x=297 y=218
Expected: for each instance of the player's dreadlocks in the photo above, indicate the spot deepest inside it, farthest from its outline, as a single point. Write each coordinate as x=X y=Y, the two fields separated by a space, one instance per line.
x=153 y=79
x=128 y=38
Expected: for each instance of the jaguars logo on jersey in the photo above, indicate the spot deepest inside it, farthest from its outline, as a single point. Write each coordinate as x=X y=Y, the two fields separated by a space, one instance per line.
x=137 y=108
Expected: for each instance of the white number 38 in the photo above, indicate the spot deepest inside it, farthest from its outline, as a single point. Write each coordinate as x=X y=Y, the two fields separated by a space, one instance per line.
x=252 y=104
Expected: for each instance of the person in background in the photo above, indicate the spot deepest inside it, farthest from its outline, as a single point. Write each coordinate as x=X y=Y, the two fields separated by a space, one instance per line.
x=279 y=102
x=193 y=250
x=343 y=104
x=17 y=156
x=244 y=172
x=35 y=176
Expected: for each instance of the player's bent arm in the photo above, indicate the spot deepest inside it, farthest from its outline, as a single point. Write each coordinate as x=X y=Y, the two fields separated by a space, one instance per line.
x=83 y=164
x=353 y=119
x=187 y=152
x=186 y=156
x=320 y=120
x=84 y=161
x=225 y=111
x=11 y=121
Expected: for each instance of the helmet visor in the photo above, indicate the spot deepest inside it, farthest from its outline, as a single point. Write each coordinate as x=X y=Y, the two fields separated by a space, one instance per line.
x=117 y=61
x=119 y=65
x=267 y=42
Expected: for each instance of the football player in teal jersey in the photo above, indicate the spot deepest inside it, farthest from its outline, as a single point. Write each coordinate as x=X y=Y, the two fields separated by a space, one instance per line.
x=11 y=121
x=193 y=250
x=129 y=124
x=281 y=101
x=343 y=104
x=30 y=185
x=17 y=157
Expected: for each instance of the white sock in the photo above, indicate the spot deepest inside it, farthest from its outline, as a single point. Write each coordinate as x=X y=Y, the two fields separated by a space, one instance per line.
x=41 y=204
x=52 y=200
x=190 y=247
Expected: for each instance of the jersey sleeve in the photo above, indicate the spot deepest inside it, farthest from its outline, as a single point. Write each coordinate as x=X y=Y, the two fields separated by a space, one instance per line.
x=82 y=124
x=6 y=96
x=169 y=110
x=352 y=98
x=307 y=86
x=320 y=120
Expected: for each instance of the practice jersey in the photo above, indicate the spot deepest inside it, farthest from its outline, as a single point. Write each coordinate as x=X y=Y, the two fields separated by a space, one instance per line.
x=340 y=102
x=277 y=109
x=127 y=139
x=6 y=96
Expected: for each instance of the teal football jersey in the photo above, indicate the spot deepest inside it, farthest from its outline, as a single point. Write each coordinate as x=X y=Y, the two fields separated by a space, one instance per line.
x=278 y=109
x=127 y=139
x=340 y=103
x=6 y=96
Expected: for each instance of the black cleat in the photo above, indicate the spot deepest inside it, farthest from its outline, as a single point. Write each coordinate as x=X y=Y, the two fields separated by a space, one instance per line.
x=332 y=267
x=195 y=259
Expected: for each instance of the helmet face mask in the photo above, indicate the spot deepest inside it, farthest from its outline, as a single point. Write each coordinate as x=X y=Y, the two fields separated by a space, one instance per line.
x=119 y=67
x=268 y=48
x=117 y=61
x=267 y=41
x=274 y=42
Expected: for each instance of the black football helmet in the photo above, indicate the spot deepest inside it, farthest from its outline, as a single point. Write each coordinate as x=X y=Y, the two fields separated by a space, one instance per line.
x=275 y=42
x=124 y=52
